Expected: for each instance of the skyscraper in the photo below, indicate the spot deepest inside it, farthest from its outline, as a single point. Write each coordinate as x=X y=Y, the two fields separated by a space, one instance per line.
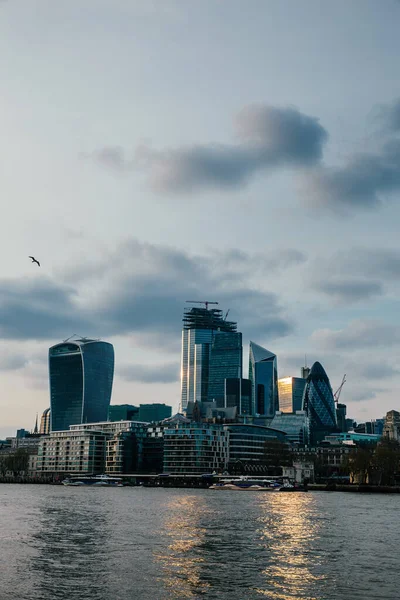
x=201 y=326
x=81 y=376
x=263 y=374
x=226 y=353
x=238 y=393
x=319 y=404
x=291 y=390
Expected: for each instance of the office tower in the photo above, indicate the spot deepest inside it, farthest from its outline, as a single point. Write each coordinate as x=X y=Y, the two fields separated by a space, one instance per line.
x=45 y=422
x=123 y=412
x=152 y=413
x=341 y=411
x=305 y=371
x=263 y=374
x=319 y=404
x=291 y=390
x=200 y=326
x=81 y=376
x=226 y=353
x=238 y=393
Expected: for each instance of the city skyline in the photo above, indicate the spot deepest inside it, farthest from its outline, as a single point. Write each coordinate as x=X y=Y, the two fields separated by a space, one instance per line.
x=155 y=159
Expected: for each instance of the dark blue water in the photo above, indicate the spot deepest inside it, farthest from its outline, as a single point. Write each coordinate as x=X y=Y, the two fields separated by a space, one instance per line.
x=155 y=544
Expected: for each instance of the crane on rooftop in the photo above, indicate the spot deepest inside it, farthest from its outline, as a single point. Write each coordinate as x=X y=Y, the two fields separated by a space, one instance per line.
x=336 y=395
x=205 y=302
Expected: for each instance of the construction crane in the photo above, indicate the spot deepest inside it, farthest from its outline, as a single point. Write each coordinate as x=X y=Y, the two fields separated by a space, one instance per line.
x=226 y=314
x=336 y=395
x=206 y=302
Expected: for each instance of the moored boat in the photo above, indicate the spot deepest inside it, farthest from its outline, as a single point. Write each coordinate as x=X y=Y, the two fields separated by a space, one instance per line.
x=94 y=480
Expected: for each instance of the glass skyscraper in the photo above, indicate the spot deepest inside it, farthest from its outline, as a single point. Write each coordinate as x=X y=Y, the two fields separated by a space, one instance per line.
x=225 y=362
x=211 y=352
x=238 y=393
x=263 y=374
x=81 y=377
x=291 y=390
x=319 y=404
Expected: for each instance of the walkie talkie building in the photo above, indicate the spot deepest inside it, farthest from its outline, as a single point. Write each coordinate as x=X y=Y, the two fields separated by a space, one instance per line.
x=81 y=376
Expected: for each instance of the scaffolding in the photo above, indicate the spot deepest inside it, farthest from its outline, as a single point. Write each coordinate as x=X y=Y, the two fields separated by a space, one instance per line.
x=205 y=318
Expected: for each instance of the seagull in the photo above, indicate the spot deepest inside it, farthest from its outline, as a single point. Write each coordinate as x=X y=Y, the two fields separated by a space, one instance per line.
x=34 y=260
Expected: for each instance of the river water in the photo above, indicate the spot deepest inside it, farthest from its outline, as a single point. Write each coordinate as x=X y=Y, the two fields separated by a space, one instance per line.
x=155 y=544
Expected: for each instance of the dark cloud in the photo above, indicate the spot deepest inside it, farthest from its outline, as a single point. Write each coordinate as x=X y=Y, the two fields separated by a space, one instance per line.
x=359 y=334
x=141 y=290
x=349 y=290
x=364 y=182
x=268 y=138
x=162 y=373
x=38 y=308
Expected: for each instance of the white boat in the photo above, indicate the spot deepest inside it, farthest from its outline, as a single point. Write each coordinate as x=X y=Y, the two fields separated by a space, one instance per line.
x=94 y=480
x=247 y=483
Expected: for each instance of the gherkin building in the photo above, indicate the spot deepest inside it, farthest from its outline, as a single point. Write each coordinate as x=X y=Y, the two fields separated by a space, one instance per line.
x=319 y=404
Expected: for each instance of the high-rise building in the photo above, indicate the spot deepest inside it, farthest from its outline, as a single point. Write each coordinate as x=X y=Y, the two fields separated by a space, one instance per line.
x=238 y=393
x=81 y=376
x=319 y=404
x=305 y=371
x=225 y=362
x=200 y=327
x=341 y=411
x=45 y=422
x=291 y=390
x=263 y=374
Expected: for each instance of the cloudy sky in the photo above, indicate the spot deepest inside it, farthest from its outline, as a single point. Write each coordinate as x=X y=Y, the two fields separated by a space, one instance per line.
x=157 y=151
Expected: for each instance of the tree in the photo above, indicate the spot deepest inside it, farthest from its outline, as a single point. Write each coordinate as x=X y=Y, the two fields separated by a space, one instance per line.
x=276 y=455
x=17 y=462
x=360 y=463
x=386 y=461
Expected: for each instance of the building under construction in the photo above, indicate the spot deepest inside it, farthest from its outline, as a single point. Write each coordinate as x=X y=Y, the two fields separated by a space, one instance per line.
x=207 y=318
x=211 y=352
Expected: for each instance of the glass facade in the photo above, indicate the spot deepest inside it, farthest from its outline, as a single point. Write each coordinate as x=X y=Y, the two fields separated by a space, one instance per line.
x=207 y=359
x=291 y=390
x=152 y=413
x=247 y=442
x=81 y=377
x=238 y=393
x=319 y=404
x=195 y=448
x=296 y=426
x=225 y=362
x=263 y=374
x=123 y=412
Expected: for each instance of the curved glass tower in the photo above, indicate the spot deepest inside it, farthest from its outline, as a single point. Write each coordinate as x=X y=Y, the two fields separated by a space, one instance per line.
x=319 y=404
x=81 y=377
x=263 y=374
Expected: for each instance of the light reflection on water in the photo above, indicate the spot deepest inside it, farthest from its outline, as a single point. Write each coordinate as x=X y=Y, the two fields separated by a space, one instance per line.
x=160 y=544
x=288 y=529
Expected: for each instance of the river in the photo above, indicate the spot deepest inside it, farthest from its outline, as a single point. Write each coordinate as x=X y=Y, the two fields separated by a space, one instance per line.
x=155 y=544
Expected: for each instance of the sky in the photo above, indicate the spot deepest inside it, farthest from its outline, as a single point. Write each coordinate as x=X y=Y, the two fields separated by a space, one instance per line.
x=153 y=152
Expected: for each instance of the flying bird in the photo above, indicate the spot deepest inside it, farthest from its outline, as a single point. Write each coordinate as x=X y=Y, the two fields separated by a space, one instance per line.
x=34 y=260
